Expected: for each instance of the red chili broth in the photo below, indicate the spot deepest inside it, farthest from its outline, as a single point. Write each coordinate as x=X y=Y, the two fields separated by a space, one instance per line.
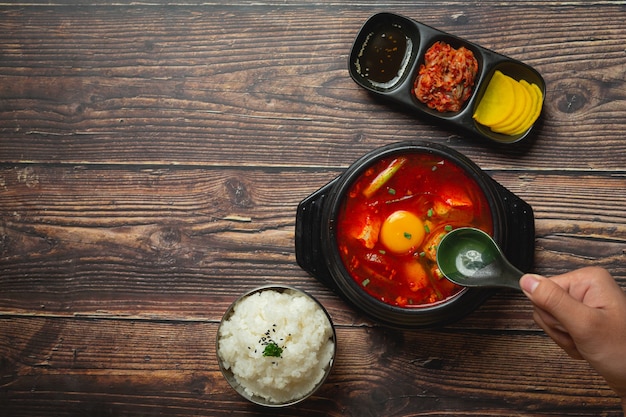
x=441 y=194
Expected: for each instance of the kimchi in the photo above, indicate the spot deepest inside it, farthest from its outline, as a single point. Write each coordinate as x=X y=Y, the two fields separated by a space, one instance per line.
x=445 y=79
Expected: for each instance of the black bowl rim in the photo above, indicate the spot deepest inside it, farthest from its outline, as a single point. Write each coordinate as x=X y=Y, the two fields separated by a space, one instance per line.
x=404 y=317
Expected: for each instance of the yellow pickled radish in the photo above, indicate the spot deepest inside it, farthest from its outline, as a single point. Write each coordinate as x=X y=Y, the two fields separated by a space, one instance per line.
x=524 y=108
x=537 y=106
x=520 y=104
x=498 y=102
x=527 y=119
x=509 y=107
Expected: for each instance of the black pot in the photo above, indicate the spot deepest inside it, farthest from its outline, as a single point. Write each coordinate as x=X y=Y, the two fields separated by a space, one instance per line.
x=317 y=252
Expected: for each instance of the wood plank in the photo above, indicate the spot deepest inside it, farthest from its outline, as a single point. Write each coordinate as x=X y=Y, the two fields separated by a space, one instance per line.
x=139 y=367
x=136 y=242
x=130 y=85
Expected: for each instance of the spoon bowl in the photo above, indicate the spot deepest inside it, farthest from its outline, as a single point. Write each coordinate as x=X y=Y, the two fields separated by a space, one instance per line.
x=469 y=257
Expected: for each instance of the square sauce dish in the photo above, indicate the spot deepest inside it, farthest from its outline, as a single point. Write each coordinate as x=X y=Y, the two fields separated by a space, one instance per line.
x=447 y=79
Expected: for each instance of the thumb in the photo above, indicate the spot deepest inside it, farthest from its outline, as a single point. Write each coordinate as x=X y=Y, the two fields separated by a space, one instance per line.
x=552 y=298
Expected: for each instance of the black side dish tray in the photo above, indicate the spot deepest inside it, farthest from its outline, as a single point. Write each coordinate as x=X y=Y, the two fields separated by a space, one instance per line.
x=403 y=64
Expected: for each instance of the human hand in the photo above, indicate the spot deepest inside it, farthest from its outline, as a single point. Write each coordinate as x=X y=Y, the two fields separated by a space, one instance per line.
x=584 y=312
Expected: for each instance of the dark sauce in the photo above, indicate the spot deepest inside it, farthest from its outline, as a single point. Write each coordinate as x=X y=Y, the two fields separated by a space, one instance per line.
x=383 y=56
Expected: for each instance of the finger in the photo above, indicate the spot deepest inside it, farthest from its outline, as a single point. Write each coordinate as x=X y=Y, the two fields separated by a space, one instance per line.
x=552 y=298
x=561 y=338
x=549 y=320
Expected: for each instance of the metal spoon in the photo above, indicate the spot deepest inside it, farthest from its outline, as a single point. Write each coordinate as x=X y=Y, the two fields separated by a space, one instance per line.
x=469 y=257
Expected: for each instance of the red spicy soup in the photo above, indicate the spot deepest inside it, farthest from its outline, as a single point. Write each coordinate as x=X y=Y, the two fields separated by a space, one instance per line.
x=393 y=218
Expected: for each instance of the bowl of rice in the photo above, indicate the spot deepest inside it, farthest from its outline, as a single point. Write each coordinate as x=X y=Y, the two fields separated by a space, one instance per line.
x=276 y=345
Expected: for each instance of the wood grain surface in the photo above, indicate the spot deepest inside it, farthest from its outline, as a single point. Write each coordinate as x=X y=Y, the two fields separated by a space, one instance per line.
x=153 y=154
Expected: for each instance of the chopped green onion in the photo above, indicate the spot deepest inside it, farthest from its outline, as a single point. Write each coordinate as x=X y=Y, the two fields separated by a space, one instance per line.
x=272 y=349
x=448 y=228
x=407 y=235
x=426 y=228
x=365 y=282
x=392 y=191
x=382 y=251
x=384 y=176
x=430 y=213
x=422 y=254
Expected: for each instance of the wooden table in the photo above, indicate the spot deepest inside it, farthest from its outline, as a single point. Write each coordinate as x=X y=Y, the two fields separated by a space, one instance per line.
x=151 y=161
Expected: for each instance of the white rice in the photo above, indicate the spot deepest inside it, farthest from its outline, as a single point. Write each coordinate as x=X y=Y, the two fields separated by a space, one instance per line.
x=295 y=323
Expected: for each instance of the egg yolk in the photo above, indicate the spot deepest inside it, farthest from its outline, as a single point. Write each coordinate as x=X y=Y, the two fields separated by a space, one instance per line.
x=401 y=232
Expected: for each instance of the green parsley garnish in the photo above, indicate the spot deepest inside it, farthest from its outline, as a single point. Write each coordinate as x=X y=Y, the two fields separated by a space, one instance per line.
x=272 y=349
